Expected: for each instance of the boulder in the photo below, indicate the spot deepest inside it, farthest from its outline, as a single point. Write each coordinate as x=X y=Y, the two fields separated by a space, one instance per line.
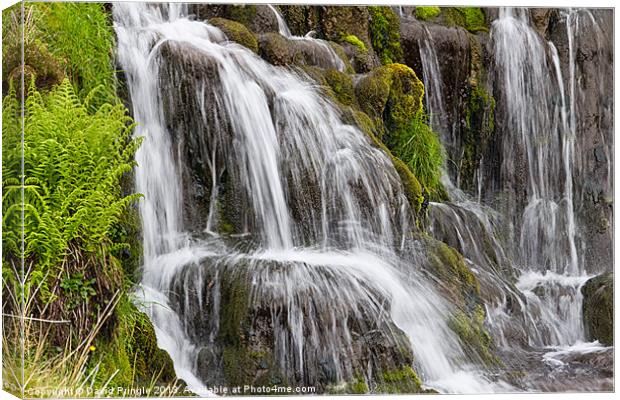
x=598 y=308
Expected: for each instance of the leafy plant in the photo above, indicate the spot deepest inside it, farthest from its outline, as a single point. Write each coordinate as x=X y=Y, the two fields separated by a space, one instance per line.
x=73 y=161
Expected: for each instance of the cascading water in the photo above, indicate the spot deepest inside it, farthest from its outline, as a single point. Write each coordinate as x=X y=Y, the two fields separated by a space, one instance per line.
x=320 y=249
x=542 y=307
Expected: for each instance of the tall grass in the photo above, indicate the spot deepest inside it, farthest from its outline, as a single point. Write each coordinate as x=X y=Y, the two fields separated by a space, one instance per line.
x=421 y=149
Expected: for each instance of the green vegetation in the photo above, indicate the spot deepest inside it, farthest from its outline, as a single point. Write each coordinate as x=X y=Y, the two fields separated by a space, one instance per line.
x=473 y=336
x=355 y=41
x=426 y=13
x=420 y=148
x=470 y=18
x=81 y=232
x=402 y=380
x=236 y=32
x=131 y=358
x=392 y=97
x=385 y=34
x=341 y=85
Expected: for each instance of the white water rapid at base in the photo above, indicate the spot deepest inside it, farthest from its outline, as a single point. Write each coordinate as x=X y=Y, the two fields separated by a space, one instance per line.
x=272 y=116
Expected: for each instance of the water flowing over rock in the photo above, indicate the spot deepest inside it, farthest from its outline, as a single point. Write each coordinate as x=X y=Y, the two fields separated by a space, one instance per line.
x=283 y=243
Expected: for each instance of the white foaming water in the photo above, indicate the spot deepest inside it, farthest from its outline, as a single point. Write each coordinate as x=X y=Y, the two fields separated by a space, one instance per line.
x=303 y=176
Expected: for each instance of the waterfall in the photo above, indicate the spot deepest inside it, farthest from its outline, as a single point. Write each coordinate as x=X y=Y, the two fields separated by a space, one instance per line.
x=320 y=224
x=542 y=306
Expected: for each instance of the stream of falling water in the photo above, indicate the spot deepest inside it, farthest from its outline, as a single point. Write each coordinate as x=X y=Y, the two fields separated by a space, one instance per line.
x=342 y=261
x=540 y=132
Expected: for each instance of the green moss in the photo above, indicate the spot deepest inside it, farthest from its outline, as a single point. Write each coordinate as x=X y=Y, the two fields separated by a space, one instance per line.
x=244 y=13
x=470 y=18
x=341 y=85
x=355 y=41
x=402 y=380
x=598 y=308
x=411 y=186
x=473 y=336
x=236 y=32
x=385 y=34
x=392 y=93
x=426 y=13
x=357 y=386
x=129 y=354
x=449 y=266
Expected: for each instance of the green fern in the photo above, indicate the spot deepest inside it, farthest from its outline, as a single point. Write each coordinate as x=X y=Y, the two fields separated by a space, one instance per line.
x=73 y=161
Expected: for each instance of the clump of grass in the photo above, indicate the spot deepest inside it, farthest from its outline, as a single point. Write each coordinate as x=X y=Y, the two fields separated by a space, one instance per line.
x=420 y=148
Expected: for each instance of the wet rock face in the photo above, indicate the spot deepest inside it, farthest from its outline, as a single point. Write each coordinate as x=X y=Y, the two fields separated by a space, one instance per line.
x=246 y=329
x=598 y=302
x=593 y=100
x=257 y=18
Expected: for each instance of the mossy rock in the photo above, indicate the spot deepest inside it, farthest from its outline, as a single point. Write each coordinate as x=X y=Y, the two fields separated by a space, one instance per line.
x=471 y=18
x=457 y=280
x=257 y=18
x=385 y=34
x=236 y=32
x=392 y=93
x=130 y=353
x=473 y=336
x=341 y=85
x=425 y=13
x=338 y=21
x=479 y=130
x=598 y=308
x=402 y=380
x=355 y=41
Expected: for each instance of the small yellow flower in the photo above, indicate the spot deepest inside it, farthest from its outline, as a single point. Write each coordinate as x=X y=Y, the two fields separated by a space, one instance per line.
x=92 y=348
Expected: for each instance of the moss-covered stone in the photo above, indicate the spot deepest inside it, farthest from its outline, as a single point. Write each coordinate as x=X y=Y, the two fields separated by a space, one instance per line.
x=385 y=34
x=598 y=308
x=411 y=185
x=341 y=85
x=129 y=354
x=355 y=41
x=457 y=280
x=474 y=338
x=427 y=12
x=236 y=32
x=470 y=18
x=392 y=93
x=402 y=380
x=337 y=21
